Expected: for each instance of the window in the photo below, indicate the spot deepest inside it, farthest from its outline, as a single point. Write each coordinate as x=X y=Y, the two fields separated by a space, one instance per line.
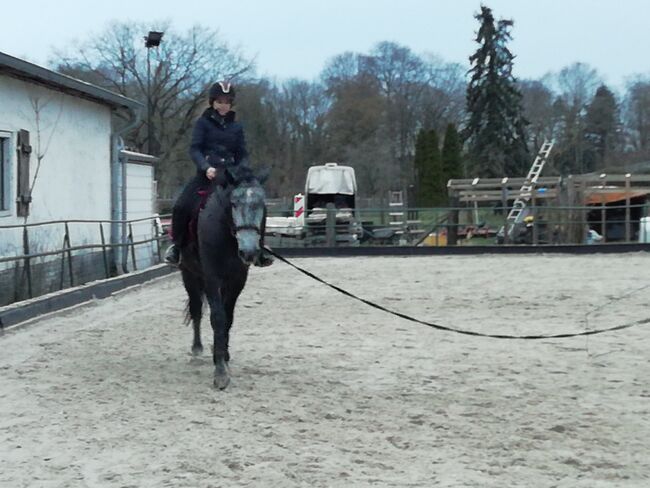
x=5 y=173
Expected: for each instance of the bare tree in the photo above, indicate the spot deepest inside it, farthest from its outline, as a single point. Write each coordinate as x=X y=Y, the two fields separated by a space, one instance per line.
x=576 y=85
x=182 y=68
x=403 y=78
x=45 y=122
x=443 y=99
x=537 y=100
x=637 y=116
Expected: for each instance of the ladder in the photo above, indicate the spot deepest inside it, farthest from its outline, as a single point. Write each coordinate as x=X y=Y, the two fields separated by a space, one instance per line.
x=396 y=204
x=516 y=214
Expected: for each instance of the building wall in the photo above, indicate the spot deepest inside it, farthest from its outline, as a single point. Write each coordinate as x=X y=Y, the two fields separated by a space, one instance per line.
x=73 y=137
x=140 y=204
x=73 y=182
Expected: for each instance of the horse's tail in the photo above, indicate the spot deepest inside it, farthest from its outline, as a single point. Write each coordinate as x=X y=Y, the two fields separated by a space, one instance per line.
x=198 y=311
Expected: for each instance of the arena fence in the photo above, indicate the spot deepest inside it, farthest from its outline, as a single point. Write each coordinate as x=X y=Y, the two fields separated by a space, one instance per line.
x=466 y=226
x=44 y=257
x=40 y=258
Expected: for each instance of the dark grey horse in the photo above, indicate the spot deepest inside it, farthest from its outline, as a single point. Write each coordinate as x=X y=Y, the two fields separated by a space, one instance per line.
x=216 y=265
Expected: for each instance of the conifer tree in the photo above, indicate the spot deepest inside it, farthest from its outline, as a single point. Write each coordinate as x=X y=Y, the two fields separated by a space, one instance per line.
x=428 y=164
x=495 y=128
x=602 y=128
x=452 y=159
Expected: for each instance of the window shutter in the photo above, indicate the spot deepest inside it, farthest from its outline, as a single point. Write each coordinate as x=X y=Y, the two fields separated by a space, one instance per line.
x=24 y=197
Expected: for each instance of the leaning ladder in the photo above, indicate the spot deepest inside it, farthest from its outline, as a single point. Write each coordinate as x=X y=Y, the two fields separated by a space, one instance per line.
x=516 y=213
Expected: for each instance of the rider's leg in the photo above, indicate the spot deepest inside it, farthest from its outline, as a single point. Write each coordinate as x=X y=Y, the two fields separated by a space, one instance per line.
x=181 y=216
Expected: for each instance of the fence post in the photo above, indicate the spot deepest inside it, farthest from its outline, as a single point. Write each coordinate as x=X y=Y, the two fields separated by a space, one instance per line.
x=452 y=219
x=628 y=233
x=67 y=237
x=603 y=209
x=504 y=210
x=17 y=281
x=535 y=214
x=101 y=233
x=135 y=267
x=158 y=237
x=330 y=226
x=27 y=265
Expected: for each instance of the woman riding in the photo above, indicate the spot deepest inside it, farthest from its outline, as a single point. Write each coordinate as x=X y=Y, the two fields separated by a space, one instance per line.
x=217 y=144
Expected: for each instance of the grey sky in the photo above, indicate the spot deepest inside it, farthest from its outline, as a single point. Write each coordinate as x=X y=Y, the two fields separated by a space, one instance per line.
x=294 y=38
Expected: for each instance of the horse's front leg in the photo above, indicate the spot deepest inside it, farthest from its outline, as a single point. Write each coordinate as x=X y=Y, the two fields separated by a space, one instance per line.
x=230 y=294
x=218 y=320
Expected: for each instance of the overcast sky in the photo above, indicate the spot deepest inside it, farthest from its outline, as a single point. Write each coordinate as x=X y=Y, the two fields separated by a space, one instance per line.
x=294 y=38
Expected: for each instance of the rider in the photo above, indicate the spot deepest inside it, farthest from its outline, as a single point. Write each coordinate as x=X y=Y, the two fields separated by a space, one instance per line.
x=217 y=143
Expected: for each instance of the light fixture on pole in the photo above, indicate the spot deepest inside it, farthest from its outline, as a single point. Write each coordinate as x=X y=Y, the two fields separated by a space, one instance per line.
x=153 y=39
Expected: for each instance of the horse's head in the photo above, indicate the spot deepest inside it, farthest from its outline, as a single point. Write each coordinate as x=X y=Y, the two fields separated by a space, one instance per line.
x=247 y=203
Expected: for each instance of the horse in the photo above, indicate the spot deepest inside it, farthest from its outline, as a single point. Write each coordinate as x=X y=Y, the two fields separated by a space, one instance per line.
x=215 y=265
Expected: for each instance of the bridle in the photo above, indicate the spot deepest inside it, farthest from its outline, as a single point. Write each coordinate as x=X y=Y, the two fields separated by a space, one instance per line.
x=237 y=228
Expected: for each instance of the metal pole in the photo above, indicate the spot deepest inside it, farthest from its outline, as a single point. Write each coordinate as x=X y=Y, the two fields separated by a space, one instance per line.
x=149 y=131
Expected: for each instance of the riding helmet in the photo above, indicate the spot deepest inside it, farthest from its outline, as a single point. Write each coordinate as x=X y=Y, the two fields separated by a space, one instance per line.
x=220 y=89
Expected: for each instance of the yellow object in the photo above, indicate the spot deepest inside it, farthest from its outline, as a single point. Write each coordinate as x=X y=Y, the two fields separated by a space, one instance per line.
x=529 y=219
x=435 y=239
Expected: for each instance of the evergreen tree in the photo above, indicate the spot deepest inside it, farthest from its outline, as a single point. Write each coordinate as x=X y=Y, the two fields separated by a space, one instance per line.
x=602 y=126
x=495 y=129
x=431 y=186
x=452 y=159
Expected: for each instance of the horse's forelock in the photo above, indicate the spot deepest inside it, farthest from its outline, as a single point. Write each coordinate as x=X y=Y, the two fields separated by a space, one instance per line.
x=245 y=188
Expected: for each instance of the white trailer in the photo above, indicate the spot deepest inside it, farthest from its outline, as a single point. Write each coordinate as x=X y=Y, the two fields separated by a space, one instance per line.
x=326 y=185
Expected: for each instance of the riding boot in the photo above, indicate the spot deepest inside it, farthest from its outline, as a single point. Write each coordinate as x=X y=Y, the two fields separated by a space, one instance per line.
x=184 y=206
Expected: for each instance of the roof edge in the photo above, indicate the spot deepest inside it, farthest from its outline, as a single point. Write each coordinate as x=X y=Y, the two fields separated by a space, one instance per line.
x=25 y=70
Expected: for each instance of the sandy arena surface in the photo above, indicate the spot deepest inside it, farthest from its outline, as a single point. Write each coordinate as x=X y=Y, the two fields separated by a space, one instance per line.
x=329 y=392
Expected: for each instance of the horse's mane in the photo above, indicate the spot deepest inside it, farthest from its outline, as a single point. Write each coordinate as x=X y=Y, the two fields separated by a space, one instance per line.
x=241 y=175
x=244 y=175
x=236 y=177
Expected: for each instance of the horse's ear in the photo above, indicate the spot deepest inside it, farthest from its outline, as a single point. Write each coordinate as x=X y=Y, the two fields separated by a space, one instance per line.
x=263 y=174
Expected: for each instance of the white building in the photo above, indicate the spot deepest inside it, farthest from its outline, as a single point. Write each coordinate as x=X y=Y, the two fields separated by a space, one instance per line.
x=60 y=160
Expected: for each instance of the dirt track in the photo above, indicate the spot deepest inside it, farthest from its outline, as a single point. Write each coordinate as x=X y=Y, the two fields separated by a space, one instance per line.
x=329 y=392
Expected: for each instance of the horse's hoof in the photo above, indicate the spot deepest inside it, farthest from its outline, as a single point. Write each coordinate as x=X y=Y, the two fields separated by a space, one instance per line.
x=221 y=382
x=221 y=376
x=197 y=351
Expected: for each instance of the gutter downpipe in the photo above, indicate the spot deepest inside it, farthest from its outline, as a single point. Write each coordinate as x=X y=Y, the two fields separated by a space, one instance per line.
x=118 y=191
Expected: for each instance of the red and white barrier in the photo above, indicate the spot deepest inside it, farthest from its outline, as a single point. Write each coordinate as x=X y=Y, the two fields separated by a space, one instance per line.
x=299 y=208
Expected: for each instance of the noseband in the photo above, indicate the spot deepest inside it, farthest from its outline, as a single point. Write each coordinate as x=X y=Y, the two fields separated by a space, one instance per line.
x=237 y=228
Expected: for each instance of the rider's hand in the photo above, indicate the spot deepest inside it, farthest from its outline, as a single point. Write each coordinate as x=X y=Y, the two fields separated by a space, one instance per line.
x=211 y=173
